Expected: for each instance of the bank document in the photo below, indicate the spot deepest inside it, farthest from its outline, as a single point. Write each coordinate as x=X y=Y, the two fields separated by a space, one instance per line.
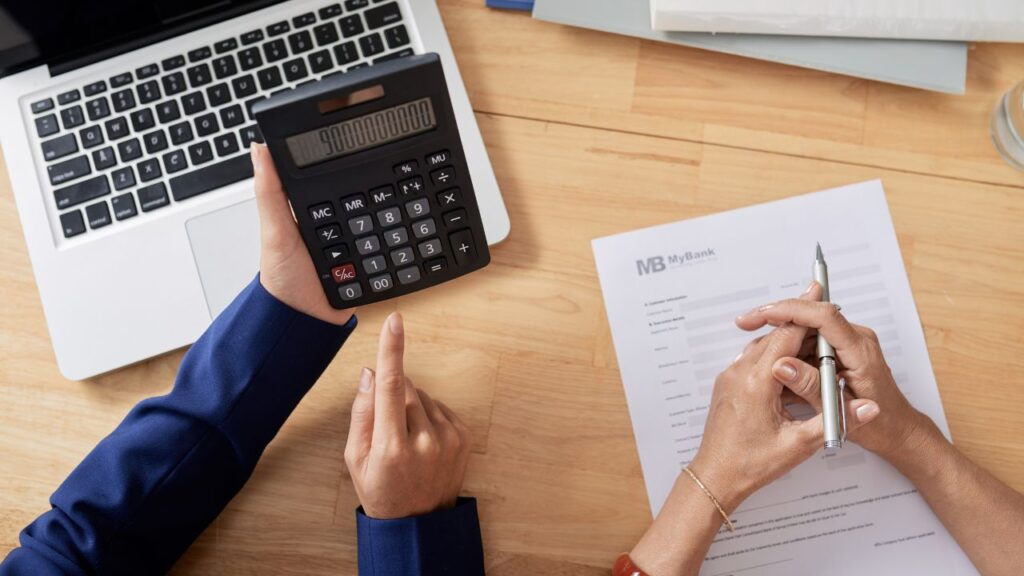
x=672 y=293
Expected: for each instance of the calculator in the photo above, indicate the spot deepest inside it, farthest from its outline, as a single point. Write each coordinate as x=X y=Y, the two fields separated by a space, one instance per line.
x=373 y=165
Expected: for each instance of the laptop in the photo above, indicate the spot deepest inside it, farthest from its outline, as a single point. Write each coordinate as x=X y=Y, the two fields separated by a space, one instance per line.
x=125 y=126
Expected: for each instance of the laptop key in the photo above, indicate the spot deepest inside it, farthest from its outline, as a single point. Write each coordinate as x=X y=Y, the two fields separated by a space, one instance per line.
x=59 y=147
x=173 y=83
x=320 y=61
x=153 y=197
x=219 y=94
x=95 y=88
x=104 y=158
x=129 y=150
x=149 y=169
x=328 y=12
x=181 y=133
x=193 y=103
x=142 y=119
x=168 y=111
x=224 y=67
x=269 y=78
x=72 y=223
x=275 y=50
x=148 y=92
x=226 y=144
x=199 y=75
x=304 y=20
x=173 y=62
x=397 y=36
x=69 y=170
x=300 y=42
x=91 y=136
x=68 y=97
x=124 y=206
x=123 y=178
x=351 y=5
x=371 y=45
x=277 y=29
x=117 y=128
x=123 y=100
x=231 y=116
x=250 y=58
x=147 y=71
x=245 y=86
x=206 y=124
x=42 y=105
x=225 y=46
x=250 y=103
x=351 y=26
x=325 y=34
x=379 y=16
x=252 y=37
x=250 y=134
x=47 y=125
x=174 y=161
x=155 y=141
x=200 y=153
x=98 y=108
x=392 y=56
x=199 y=54
x=346 y=53
x=211 y=177
x=98 y=215
x=72 y=117
x=295 y=70
x=81 y=192
x=122 y=79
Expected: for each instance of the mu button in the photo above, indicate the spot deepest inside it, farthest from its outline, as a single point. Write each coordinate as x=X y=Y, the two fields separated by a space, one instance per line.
x=343 y=273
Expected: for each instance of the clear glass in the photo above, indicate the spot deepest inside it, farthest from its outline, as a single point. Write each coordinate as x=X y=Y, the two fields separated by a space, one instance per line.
x=1008 y=127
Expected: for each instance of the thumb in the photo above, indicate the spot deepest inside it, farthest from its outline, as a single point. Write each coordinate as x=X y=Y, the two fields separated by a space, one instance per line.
x=859 y=412
x=810 y=433
x=276 y=220
x=361 y=427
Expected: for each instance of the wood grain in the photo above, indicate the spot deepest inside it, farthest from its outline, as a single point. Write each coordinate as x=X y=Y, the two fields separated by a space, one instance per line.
x=590 y=134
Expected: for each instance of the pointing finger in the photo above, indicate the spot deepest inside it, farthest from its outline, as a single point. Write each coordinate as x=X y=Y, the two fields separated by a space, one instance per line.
x=390 y=383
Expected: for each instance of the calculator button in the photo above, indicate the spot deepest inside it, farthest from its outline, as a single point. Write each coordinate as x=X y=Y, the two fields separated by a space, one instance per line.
x=406 y=168
x=343 y=273
x=438 y=158
x=381 y=283
x=449 y=197
x=367 y=245
x=350 y=291
x=430 y=248
x=321 y=212
x=389 y=216
x=403 y=256
x=361 y=225
x=382 y=195
x=436 y=265
x=408 y=275
x=411 y=187
x=375 y=264
x=443 y=176
x=396 y=237
x=424 y=228
x=463 y=247
x=328 y=234
x=353 y=203
x=335 y=254
x=455 y=218
x=417 y=208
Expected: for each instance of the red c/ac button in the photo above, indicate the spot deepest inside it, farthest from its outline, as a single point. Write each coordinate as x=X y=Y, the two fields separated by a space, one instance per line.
x=343 y=273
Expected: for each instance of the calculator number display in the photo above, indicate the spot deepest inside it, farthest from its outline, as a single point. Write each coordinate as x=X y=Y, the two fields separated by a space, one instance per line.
x=362 y=133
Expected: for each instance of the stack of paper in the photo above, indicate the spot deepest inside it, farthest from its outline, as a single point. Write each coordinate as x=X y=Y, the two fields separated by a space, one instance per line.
x=976 y=20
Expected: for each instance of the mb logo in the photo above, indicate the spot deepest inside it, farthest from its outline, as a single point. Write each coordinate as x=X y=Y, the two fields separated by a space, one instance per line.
x=650 y=265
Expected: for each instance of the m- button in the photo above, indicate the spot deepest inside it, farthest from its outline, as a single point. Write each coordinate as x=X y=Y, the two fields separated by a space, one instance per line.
x=321 y=212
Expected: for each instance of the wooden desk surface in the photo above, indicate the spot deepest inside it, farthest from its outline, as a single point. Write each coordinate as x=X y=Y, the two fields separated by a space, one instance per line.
x=590 y=134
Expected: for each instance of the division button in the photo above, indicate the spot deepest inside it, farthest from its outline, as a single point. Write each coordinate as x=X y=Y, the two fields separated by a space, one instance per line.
x=443 y=177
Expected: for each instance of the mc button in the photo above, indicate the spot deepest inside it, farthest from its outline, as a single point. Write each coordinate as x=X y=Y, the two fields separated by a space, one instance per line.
x=321 y=212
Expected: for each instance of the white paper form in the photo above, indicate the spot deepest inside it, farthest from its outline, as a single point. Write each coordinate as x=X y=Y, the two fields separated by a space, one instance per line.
x=672 y=293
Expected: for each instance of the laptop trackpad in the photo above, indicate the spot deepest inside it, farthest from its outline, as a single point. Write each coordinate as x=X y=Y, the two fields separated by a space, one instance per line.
x=226 y=247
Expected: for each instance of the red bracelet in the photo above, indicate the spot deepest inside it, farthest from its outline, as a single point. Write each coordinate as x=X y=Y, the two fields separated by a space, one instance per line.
x=624 y=567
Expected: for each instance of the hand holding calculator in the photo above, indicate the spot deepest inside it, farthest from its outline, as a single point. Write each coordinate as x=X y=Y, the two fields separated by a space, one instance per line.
x=372 y=163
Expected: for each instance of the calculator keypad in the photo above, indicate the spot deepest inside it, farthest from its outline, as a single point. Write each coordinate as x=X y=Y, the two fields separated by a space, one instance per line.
x=397 y=233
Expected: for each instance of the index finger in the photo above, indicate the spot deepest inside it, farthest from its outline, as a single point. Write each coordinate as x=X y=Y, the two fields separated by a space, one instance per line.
x=822 y=316
x=389 y=388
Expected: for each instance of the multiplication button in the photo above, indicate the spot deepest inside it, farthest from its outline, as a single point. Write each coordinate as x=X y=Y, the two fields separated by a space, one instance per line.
x=449 y=198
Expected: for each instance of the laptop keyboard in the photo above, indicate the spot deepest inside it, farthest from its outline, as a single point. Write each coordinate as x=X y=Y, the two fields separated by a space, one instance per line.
x=176 y=129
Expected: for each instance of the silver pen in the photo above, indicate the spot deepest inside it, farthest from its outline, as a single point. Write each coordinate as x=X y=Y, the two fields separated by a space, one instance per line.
x=832 y=405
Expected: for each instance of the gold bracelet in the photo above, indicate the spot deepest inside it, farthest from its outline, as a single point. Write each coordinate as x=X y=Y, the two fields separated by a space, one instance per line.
x=711 y=496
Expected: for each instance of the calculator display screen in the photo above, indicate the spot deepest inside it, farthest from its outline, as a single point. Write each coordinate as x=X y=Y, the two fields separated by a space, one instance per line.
x=361 y=133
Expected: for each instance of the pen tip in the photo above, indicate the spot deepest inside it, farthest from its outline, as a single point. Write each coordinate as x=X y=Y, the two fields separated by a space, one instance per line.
x=818 y=255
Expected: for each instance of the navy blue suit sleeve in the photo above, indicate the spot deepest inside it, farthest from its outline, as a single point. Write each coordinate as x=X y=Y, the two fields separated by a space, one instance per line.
x=140 y=498
x=446 y=543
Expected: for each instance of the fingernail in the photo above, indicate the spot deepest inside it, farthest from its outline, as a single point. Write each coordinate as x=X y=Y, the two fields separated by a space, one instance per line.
x=766 y=307
x=809 y=287
x=255 y=156
x=867 y=411
x=365 y=380
x=395 y=324
x=787 y=371
x=737 y=358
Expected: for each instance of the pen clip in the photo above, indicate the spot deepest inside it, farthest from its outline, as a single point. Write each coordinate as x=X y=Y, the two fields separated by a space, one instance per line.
x=842 y=405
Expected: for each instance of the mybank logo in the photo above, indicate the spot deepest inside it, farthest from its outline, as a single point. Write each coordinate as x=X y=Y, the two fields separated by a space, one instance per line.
x=657 y=264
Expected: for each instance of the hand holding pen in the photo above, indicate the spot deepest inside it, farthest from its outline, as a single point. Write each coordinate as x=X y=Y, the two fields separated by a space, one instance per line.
x=833 y=409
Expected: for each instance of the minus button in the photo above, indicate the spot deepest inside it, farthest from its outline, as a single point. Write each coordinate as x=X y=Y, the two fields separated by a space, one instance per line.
x=455 y=218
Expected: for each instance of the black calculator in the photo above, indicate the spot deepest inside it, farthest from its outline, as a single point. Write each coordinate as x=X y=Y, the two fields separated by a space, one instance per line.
x=373 y=165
